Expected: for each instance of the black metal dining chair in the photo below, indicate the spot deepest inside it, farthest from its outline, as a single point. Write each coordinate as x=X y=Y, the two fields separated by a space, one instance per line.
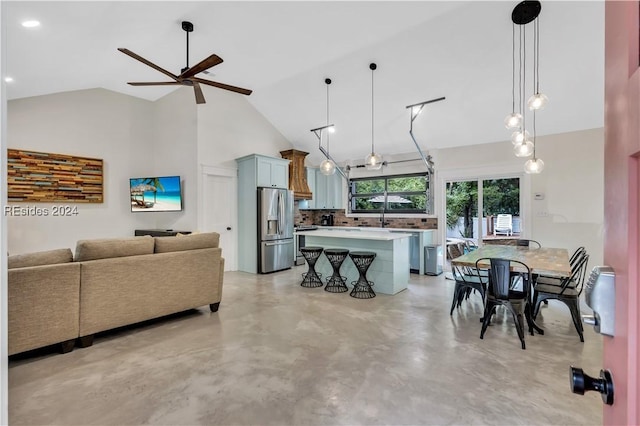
x=465 y=277
x=465 y=284
x=565 y=289
x=522 y=242
x=502 y=292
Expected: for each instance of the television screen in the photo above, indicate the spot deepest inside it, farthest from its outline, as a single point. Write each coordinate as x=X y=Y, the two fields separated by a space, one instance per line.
x=156 y=194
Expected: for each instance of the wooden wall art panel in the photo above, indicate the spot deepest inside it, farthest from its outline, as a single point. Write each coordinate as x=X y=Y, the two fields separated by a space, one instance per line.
x=43 y=177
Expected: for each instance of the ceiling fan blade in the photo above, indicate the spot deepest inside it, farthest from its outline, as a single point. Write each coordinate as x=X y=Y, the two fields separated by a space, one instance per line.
x=205 y=64
x=222 y=86
x=198 y=91
x=144 y=61
x=157 y=83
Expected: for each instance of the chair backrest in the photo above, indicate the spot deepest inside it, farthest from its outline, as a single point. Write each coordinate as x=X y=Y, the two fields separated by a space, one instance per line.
x=501 y=275
x=576 y=256
x=454 y=250
x=504 y=221
x=528 y=243
x=578 y=272
x=469 y=245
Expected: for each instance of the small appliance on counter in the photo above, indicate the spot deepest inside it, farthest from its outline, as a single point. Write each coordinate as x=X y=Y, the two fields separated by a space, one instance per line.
x=327 y=220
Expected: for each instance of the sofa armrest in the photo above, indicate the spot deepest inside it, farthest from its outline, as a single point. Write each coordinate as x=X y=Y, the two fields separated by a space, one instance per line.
x=43 y=305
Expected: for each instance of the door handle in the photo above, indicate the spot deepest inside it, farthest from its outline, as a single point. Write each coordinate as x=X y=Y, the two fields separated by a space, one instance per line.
x=581 y=383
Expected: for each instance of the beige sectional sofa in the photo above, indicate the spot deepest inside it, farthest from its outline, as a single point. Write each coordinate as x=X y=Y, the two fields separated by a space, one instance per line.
x=110 y=283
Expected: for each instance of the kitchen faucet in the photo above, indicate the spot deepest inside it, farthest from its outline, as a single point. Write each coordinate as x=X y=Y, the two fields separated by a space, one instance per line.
x=382 y=217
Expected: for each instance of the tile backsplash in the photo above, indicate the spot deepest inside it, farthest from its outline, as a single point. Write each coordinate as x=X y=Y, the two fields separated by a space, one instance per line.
x=313 y=217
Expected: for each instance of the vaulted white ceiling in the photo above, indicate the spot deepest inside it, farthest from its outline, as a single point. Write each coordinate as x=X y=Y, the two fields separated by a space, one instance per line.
x=285 y=50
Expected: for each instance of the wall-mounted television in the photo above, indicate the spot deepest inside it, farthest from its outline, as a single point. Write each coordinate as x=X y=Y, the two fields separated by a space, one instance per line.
x=155 y=194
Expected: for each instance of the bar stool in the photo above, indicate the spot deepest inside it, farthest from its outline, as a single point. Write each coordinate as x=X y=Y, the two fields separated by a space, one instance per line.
x=311 y=278
x=362 y=287
x=336 y=283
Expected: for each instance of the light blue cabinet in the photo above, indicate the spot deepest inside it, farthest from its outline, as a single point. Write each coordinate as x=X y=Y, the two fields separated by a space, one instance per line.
x=272 y=172
x=329 y=191
x=255 y=171
x=311 y=182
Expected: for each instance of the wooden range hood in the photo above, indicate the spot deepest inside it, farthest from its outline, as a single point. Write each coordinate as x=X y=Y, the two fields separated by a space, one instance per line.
x=297 y=174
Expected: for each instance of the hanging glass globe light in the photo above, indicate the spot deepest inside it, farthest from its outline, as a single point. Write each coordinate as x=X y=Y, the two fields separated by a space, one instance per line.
x=537 y=101
x=513 y=120
x=327 y=167
x=523 y=149
x=534 y=166
x=519 y=136
x=373 y=161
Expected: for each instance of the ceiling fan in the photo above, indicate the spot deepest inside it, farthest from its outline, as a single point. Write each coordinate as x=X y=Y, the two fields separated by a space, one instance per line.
x=187 y=75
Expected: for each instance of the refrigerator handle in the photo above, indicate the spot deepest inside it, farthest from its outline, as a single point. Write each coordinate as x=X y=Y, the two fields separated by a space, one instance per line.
x=279 y=213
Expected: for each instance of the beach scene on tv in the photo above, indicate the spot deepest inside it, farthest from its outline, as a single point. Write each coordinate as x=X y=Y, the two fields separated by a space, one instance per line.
x=156 y=194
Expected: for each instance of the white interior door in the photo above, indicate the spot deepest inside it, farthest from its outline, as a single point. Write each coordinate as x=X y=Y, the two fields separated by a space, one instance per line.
x=218 y=212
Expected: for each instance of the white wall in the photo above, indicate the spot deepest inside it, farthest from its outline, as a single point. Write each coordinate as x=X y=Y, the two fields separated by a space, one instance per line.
x=572 y=212
x=174 y=148
x=230 y=127
x=135 y=138
x=89 y=123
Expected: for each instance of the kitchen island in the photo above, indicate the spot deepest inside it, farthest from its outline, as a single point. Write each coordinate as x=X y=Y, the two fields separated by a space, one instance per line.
x=420 y=238
x=390 y=269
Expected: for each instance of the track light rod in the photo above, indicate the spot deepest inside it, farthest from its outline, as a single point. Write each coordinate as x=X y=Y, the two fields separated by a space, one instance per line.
x=319 y=129
x=426 y=102
x=318 y=132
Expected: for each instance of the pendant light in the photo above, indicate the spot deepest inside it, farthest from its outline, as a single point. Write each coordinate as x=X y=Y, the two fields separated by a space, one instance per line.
x=372 y=161
x=327 y=166
x=524 y=13
x=537 y=100
x=534 y=165
x=513 y=120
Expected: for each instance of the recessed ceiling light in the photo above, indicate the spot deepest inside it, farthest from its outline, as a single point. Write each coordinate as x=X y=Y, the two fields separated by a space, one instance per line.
x=31 y=24
x=8 y=79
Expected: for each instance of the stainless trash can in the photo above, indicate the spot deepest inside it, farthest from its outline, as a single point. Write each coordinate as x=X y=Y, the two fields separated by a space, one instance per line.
x=432 y=254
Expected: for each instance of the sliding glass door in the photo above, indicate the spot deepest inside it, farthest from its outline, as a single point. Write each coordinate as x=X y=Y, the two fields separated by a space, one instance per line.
x=462 y=210
x=491 y=196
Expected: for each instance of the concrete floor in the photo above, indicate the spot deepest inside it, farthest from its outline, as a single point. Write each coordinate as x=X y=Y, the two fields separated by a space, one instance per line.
x=279 y=354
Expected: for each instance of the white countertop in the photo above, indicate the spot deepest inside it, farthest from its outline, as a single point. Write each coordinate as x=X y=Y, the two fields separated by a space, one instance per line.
x=372 y=229
x=381 y=235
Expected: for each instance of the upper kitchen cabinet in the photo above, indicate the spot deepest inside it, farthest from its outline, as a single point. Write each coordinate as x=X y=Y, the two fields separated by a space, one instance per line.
x=264 y=171
x=311 y=182
x=329 y=191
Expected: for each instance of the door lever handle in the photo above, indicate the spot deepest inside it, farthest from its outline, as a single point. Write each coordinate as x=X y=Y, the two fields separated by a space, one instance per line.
x=589 y=320
x=581 y=383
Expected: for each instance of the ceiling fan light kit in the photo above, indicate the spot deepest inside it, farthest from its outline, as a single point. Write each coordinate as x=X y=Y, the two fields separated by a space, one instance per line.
x=524 y=13
x=187 y=76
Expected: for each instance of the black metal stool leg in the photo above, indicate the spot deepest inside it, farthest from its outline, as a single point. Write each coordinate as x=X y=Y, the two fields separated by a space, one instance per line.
x=362 y=287
x=311 y=279
x=336 y=283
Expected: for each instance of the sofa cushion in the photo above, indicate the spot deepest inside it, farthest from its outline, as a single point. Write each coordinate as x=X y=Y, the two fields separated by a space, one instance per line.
x=187 y=242
x=113 y=247
x=49 y=257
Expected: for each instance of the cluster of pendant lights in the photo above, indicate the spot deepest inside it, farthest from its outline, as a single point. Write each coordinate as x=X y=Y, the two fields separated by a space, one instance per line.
x=524 y=145
x=372 y=161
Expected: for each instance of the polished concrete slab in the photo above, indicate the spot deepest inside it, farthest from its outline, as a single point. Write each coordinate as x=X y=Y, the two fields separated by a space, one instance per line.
x=280 y=354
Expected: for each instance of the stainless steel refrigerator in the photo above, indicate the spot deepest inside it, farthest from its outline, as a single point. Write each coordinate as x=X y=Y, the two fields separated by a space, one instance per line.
x=275 y=229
